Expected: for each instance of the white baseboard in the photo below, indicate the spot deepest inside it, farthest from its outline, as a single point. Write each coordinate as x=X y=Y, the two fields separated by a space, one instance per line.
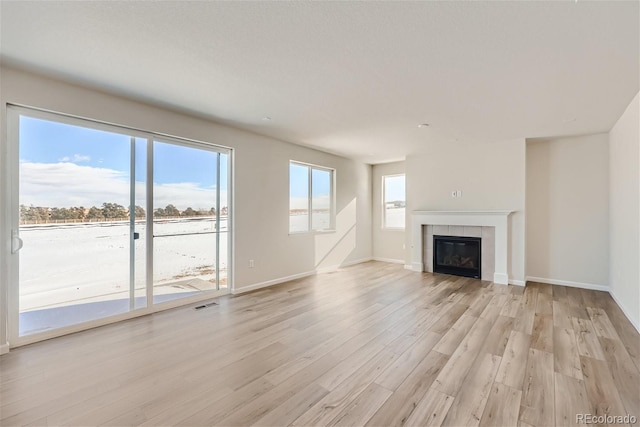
x=358 y=261
x=569 y=283
x=279 y=280
x=517 y=282
x=389 y=260
x=415 y=266
x=272 y=282
x=625 y=312
x=500 y=278
x=4 y=348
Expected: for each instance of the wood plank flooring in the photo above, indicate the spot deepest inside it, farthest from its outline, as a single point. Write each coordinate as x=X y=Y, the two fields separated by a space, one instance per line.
x=371 y=344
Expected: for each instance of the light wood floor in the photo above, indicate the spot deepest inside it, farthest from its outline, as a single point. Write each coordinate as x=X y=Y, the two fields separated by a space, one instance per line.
x=372 y=344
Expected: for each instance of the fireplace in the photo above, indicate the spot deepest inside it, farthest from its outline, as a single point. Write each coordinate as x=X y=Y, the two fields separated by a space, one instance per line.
x=460 y=256
x=492 y=226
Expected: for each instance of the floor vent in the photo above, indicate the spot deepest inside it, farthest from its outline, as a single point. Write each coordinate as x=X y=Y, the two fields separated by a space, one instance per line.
x=200 y=307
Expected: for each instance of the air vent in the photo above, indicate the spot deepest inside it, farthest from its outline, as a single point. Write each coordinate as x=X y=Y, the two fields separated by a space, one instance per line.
x=200 y=307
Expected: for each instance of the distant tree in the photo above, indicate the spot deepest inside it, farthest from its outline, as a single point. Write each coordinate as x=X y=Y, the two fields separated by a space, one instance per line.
x=31 y=213
x=224 y=211
x=114 y=210
x=94 y=213
x=171 y=210
x=43 y=213
x=76 y=212
x=159 y=213
x=24 y=212
x=139 y=211
x=212 y=211
x=59 y=214
x=189 y=212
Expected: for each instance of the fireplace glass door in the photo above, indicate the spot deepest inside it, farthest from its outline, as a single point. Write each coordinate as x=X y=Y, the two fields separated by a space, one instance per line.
x=459 y=256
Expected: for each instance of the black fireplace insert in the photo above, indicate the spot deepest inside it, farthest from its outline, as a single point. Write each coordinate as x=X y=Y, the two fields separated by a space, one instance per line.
x=459 y=256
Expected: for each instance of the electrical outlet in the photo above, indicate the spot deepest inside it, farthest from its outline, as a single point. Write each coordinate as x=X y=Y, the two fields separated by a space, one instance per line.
x=454 y=193
x=251 y=263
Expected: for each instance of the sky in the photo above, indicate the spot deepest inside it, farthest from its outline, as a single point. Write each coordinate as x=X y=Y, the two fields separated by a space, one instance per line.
x=394 y=189
x=299 y=187
x=63 y=165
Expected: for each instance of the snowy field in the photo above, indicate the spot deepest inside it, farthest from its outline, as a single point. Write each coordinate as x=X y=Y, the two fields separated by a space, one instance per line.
x=69 y=264
x=299 y=222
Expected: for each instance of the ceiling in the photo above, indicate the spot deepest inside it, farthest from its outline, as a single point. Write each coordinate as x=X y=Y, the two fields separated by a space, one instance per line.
x=353 y=78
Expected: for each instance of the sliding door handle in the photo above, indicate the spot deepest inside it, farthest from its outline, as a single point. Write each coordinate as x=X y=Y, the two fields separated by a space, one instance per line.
x=16 y=242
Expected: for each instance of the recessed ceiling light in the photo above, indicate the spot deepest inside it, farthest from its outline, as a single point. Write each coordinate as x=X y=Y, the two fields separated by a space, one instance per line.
x=266 y=118
x=423 y=125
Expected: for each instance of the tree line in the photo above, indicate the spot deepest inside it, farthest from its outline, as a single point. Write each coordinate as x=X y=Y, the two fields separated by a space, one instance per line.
x=106 y=212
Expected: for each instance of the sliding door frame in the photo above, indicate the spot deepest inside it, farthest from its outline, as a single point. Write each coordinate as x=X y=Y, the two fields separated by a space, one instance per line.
x=11 y=176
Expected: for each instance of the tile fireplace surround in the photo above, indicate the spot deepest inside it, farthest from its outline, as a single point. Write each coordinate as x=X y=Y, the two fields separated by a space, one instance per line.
x=499 y=220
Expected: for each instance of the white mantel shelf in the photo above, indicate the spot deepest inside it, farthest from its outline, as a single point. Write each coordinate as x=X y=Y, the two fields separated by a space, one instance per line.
x=485 y=218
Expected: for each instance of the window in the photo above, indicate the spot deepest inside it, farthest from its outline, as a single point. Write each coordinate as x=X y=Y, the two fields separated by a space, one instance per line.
x=393 y=199
x=310 y=198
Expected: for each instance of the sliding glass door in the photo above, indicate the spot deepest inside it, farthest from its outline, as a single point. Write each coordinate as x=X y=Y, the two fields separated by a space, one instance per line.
x=109 y=222
x=189 y=250
x=74 y=192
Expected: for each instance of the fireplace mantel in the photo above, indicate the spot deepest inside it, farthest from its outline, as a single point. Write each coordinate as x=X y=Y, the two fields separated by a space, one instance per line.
x=487 y=218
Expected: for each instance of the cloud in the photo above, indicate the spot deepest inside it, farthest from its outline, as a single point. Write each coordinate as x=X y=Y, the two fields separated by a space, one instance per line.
x=77 y=158
x=67 y=184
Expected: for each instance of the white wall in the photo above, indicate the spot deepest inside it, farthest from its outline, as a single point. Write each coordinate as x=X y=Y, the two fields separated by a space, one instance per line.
x=491 y=177
x=261 y=181
x=388 y=244
x=624 y=211
x=568 y=210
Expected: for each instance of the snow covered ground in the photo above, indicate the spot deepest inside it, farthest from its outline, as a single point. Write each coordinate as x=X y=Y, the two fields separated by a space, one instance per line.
x=70 y=264
x=299 y=222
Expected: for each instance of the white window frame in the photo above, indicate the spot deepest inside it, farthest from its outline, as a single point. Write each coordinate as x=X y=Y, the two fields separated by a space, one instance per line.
x=384 y=201
x=332 y=198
